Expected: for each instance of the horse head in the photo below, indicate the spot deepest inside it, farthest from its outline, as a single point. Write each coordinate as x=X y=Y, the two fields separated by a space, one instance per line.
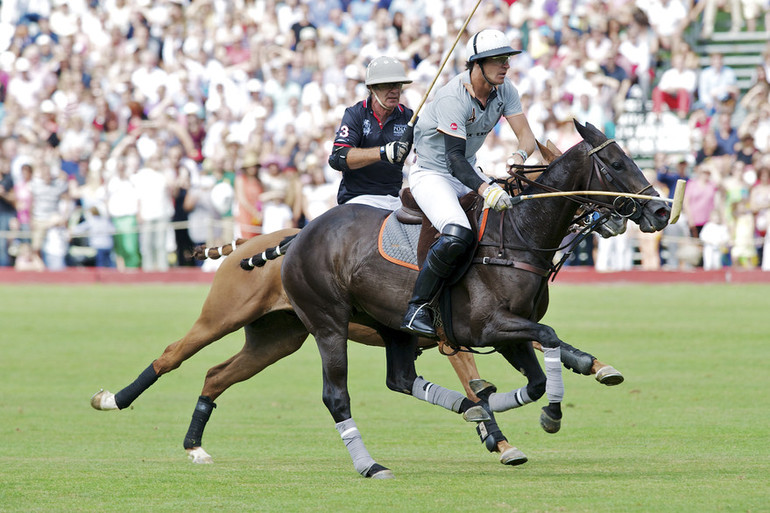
x=613 y=224
x=614 y=171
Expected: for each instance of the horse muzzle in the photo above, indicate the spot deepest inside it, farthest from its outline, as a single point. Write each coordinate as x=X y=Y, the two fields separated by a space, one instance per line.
x=655 y=216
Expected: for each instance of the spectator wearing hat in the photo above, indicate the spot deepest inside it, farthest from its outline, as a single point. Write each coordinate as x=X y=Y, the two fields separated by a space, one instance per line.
x=281 y=199
x=248 y=192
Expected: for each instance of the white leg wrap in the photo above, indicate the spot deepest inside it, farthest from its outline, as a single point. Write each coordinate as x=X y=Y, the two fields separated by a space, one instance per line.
x=362 y=461
x=438 y=395
x=554 y=386
x=509 y=400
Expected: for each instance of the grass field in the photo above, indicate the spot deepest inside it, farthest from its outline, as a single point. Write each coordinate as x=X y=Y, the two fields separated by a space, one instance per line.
x=689 y=430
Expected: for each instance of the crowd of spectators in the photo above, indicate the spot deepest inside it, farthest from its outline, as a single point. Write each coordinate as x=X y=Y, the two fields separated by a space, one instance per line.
x=131 y=131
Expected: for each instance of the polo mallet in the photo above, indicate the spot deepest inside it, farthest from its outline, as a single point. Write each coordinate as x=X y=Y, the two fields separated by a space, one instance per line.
x=407 y=136
x=676 y=201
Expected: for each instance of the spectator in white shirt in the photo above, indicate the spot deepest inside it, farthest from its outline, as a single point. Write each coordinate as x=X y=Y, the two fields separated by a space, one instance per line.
x=676 y=88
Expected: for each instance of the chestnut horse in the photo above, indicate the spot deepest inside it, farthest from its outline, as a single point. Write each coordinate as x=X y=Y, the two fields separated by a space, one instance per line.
x=333 y=275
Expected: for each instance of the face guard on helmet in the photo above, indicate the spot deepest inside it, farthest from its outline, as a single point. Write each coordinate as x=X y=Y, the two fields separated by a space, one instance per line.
x=489 y=43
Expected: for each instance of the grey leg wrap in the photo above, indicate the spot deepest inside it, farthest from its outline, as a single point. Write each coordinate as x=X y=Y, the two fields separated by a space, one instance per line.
x=362 y=461
x=576 y=360
x=554 y=386
x=509 y=400
x=438 y=395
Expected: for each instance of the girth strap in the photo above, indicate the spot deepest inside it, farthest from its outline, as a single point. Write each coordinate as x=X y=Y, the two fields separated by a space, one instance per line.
x=512 y=263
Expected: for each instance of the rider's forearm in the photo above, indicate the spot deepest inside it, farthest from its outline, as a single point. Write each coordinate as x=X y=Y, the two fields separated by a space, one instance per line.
x=360 y=157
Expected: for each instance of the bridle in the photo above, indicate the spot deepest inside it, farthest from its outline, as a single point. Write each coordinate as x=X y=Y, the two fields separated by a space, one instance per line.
x=622 y=206
x=625 y=207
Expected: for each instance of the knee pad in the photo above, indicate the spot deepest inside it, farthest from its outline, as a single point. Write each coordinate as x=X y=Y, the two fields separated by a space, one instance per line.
x=454 y=242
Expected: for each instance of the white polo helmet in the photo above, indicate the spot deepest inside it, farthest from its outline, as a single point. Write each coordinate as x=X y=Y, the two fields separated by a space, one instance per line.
x=488 y=43
x=386 y=70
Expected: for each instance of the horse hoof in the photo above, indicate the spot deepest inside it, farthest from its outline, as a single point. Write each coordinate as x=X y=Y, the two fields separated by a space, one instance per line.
x=609 y=375
x=377 y=471
x=103 y=400
x=548 y=423
x=476 y=414
x=513 y=456
x=198 y=455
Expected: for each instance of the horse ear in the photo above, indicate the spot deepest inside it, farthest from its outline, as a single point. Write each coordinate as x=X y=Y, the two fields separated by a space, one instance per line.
x=590 y=133
x=580 y=128
x=545 y=151
x=551 y=146
x=549 y=152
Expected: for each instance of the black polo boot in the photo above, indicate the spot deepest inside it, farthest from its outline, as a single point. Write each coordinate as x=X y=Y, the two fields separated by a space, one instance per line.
x=454 y=242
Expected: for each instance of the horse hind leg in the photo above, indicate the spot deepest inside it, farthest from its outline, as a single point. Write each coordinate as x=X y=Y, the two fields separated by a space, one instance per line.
x=200 y=335
x=268 y=340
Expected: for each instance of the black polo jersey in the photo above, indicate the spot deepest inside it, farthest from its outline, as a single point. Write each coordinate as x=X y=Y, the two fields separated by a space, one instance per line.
x=360 y=128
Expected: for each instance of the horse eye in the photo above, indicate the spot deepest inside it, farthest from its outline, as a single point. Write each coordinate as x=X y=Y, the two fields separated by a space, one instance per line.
x=617 y=165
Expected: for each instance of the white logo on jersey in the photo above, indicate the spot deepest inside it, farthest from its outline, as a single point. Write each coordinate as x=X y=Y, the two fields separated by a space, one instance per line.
x=367 y=127
x=399 y=129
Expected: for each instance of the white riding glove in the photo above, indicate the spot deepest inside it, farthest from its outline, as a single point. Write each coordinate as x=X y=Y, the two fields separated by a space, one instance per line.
x=496 y=198
x=395 y=152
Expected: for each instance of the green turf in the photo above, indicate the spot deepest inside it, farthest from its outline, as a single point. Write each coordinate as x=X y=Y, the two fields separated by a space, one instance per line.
x=687 y=431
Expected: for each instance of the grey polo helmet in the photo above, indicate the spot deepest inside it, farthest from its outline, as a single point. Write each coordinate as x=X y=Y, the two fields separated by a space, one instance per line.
x=386 y=70
x=488 y=43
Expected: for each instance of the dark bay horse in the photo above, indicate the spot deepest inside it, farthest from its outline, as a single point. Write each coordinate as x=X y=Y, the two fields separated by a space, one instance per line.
x=257 y=302
x=333 y=275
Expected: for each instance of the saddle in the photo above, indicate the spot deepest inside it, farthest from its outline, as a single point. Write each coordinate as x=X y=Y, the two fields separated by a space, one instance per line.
x=410 y=213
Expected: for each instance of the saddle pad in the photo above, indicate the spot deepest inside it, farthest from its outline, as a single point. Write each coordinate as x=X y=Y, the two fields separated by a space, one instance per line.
x=397 y=242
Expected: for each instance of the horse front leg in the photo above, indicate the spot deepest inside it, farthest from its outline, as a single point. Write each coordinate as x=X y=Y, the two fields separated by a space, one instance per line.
x=334 y=361
x=507 y=331
x=580 y=362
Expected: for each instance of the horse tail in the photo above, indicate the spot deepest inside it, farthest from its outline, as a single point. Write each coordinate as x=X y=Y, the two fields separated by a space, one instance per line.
x=247 y=264
x=202 y=252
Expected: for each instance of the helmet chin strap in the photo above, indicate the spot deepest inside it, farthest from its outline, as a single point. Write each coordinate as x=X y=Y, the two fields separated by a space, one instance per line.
x=485 y=76
x=378 y=99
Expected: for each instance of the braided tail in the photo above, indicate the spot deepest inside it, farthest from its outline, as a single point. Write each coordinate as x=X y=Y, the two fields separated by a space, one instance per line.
x=202 y=252
x=247 y=264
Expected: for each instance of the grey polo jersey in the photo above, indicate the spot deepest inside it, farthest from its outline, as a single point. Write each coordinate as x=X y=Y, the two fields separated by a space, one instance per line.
x=454 y=111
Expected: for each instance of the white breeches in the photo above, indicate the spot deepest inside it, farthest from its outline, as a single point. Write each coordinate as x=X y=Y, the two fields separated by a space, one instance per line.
x=437 y=193
x=376 y=200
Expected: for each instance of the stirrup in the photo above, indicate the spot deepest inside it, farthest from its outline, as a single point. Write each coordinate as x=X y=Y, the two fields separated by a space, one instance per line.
x=422 y=326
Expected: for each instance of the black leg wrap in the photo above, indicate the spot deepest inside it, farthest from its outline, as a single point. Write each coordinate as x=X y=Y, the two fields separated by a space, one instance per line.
x=489 y=432
x=576 y=360
x=128 y=395
x=200 y=417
